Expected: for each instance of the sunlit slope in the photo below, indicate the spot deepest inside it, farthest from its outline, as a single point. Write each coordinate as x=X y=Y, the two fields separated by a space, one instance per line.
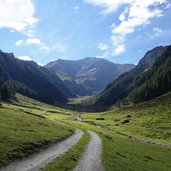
x=22 y=132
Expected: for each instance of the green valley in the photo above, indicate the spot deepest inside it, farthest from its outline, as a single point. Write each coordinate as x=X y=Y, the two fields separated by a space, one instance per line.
x=26 y=132
x=127 y=126
x=85 y=85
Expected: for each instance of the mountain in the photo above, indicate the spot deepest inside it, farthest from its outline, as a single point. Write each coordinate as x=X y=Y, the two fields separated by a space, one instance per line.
x=120 y=88
x=33 y=80
x=89 y=75
x=154 y=82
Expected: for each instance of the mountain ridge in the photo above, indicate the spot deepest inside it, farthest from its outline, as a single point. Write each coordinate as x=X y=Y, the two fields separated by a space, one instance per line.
x=34 y=78
x=84 y=76
x=116 y=90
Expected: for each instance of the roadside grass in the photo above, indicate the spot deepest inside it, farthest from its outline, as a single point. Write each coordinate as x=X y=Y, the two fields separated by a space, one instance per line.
x=21 y=133
x=70 y=159
x=123 y=154
x=120 y=154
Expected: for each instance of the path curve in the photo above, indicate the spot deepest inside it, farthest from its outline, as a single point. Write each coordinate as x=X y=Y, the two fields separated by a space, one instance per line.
x=90 y=161
x=39 y=160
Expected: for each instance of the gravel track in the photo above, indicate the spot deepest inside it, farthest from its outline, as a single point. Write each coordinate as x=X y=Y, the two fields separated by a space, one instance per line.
x=90 y=160
x=39 y=160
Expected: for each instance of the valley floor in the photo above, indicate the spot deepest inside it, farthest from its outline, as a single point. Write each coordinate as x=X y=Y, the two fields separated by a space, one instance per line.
x=24 y=129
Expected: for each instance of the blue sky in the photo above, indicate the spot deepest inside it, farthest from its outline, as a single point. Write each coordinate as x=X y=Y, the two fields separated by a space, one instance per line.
x=120 y=31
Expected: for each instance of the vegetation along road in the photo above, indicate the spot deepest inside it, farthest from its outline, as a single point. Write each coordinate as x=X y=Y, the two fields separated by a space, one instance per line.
x=39 y=160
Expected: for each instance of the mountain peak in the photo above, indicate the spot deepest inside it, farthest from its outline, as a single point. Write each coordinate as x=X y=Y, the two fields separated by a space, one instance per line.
x=88 y=75
x=151 y=56
x=118 y=89
x=32 y=80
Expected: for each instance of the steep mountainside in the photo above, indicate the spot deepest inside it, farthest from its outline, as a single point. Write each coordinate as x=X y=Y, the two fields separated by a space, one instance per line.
x=118 y=89
x=32 y=80
x=154 y=82
x=88 y=75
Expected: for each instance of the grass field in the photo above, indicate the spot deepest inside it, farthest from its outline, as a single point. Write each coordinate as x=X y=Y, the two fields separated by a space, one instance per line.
x=150 y=121
x=22 y=133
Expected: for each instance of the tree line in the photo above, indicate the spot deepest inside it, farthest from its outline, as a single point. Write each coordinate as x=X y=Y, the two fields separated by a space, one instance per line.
x=7 y=89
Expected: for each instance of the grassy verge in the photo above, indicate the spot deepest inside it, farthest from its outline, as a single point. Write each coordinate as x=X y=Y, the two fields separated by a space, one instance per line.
x=70 y=159
x=22 y=134
x=123 y=154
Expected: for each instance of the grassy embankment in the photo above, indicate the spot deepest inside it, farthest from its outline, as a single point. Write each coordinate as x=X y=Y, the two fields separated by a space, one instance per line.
x=22 y=133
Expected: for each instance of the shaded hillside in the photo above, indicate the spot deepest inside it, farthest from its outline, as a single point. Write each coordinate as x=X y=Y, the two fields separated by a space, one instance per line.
x=32 y=80
x=117 y=90
x=89 y=75
x=154 y=82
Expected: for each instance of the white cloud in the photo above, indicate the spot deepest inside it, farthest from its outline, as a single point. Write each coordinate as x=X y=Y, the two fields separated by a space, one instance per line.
x=76 y=8
x=57 y=47
x=29 y=41
x=19 y=42
x=16 y=14
x=137 y=13
x=44 y=48
x=122 y=17
x=40 y=64
x=25 y=58
x=108 y=5
x=29 y=32
x=156 y=32
x=168 y=5
x=33 y=41
x=102 y=46
x=118 y=50
x=113 y=25
x=104 y=55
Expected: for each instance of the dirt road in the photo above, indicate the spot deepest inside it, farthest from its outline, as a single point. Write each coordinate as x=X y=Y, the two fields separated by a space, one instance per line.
x=39 y=160
x=90 y=161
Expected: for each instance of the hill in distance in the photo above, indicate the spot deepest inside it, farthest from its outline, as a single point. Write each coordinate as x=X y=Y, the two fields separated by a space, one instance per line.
x=33 y=80
x=89 y=75
x=149 y=79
